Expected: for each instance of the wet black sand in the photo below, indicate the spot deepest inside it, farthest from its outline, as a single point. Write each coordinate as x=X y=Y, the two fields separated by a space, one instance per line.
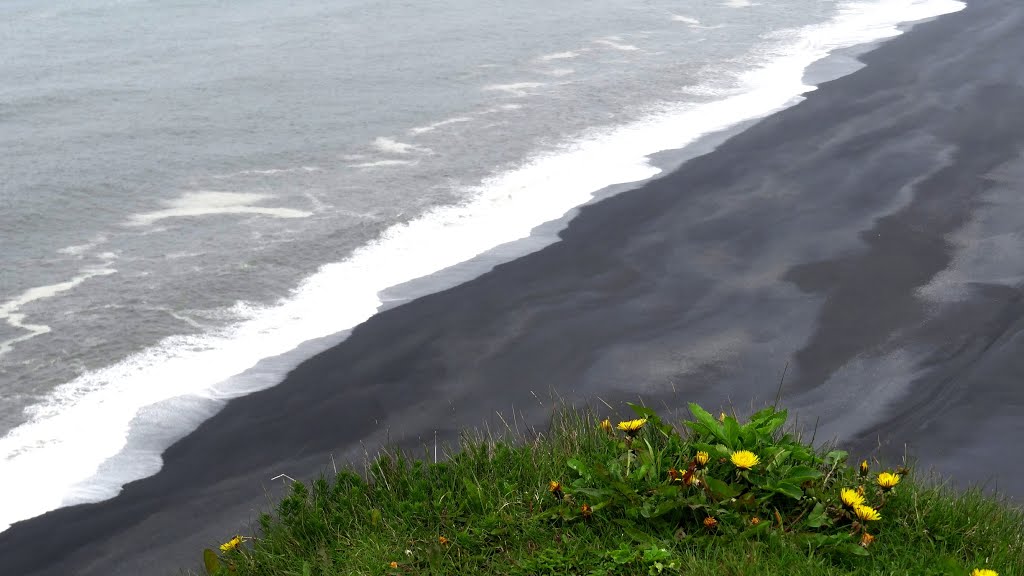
x=870 y=237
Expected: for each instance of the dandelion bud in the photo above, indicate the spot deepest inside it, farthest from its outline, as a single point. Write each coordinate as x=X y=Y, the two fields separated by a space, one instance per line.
x=701 y=459
x=866 y=539
x=606 y=425
x=586 y=510
x=710 y=523
x=864 y=468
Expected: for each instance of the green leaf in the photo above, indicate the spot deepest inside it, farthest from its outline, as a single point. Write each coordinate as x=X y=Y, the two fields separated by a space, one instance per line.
x=721 y=490
x=211 y=562
x=801 y=474
x=787 y=488
x=644 y=412
x=731 y=428
x=706 y=422
x=836 y=456
x=577 y=466
x=817 y=517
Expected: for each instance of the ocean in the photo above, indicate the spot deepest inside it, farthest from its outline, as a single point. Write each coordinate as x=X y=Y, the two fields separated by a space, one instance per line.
x=197 y=196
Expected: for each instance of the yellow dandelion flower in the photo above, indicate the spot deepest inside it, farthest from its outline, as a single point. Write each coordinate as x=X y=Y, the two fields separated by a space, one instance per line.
x=586 y=510
x=442 y=540
x=606 y=425
x=632 y=427
x=864 y=468
x=866 y=539
x=702 y=459
x=755 y=521
x=744 y=459
x=866 y=513
x=710 y=523
x=851 y=498
x=984 y=572
x=231 y=544
x=555 y=487
x=887 y=481
x=394 y=564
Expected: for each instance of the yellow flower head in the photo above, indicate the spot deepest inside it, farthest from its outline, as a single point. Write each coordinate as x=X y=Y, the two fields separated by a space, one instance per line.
x=586 y=510
x=866 y=513
x=631 y=427
x=866 y=539
x=702 y=459
x=984 y=572
x=394 y=564
x=555 y=488
x=864 y=468
x=442 y=540
x=744 y=459
x=851 y=498
x=887 y=481
x=606 y=425
x=755 y=521
x=231 y=544
x=710 y=522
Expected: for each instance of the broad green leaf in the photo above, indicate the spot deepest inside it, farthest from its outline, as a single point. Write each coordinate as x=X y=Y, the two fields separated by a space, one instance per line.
x=817 y=518
x=578 y=466
x=731 y=429
x=721 y=490
x=801 y=474
x=211 y=562
x=836 y=456
x=787 y=488
x=706 y=422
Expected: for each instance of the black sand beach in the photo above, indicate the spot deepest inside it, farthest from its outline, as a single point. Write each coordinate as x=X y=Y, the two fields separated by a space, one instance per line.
x=870 y=237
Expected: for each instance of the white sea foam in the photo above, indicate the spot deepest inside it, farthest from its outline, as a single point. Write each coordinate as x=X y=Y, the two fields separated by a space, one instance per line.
x=383 y=163
x=431 y=127
x=515 y=89
x=558 y=72
x=739 y=3
x=268 y=172
x=616 y=43
x=685 y=19
x=392 y=146
x=10 y=311
x=209 y=203
x=81 y=249
x=560 y=55
x=46 y=466
x=694 y=23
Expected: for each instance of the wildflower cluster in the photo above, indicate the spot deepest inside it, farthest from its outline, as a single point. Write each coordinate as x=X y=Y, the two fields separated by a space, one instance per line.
x=723 y=478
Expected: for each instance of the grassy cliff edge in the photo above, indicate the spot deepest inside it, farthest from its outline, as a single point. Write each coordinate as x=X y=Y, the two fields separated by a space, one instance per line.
x=641 y=496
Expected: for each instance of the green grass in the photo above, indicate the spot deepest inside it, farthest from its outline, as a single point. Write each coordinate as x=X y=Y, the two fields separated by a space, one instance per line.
x=488 y=509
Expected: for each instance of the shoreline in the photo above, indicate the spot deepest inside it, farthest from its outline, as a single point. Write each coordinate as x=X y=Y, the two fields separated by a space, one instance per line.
x=703 y=280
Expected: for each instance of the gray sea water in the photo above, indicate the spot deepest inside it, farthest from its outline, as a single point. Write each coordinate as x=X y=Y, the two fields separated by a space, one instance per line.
x=187 y=188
